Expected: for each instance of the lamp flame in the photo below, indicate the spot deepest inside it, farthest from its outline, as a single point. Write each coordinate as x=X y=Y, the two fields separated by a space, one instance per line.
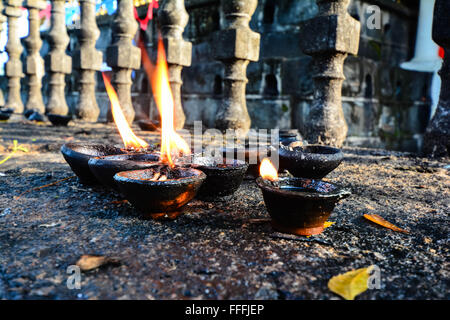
x=267 y=170
x=172 y=144
x=130 y=140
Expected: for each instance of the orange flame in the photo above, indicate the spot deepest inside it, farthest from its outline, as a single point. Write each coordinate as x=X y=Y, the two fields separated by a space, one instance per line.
x=172 y=144
x=267 y=170
x=130 y=140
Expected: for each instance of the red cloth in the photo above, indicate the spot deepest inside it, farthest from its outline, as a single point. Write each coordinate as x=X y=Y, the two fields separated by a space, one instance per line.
x=441 y=52
x=46 y=12
x=143 y=23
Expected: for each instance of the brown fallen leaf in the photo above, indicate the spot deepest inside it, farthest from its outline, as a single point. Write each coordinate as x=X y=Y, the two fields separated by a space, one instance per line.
x=348 y=285
x=380 y=221
x=88 y=262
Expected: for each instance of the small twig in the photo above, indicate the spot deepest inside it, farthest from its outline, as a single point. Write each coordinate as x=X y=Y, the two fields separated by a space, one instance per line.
x=278 y=235
x=44 y=186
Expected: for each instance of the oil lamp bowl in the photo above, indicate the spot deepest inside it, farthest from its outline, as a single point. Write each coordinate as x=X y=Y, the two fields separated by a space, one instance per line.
x=148 y=125
x=104 y=168
x=250 y=155
x=222 y=179
x=311 y=161
x=78 y=156
x=156 y=199
x=5 y=114
x=59 y=120
x=298 y=205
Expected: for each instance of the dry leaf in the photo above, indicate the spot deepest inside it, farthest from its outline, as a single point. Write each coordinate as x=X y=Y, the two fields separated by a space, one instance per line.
x=350 y=284
x=379 y=220
x=328 y=224
x=88 y=262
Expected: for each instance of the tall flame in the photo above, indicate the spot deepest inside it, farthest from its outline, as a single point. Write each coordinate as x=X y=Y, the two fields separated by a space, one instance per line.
x=172 y=144
x=130 y=140
x=267 y=170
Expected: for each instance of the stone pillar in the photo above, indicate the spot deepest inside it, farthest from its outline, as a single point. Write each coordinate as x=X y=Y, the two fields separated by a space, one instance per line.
x=34 y=62
x=236 y=45
x=173 y=18
x=2 y=20
x=88 y=60
x=437 y=135
x=329 y=38
x=14 y=49
x=58 y=63
x=122 y=56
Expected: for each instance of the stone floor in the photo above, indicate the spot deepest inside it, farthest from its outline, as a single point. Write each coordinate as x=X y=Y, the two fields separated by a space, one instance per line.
x=214 y=250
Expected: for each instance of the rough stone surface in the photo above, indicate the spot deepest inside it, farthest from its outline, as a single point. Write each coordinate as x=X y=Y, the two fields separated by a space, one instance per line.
x=437 y=137
x=214 y=250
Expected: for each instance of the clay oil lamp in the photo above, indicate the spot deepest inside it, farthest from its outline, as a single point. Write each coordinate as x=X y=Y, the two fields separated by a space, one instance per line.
x=78 y=156
x=6 y=113
x=252 y=155
x=162 y=190
x=286 y=137
x=298 y=205
x=310 y=161
x=136 y=155
x=149 y=125
x=223 y=178
x=104 y=168
x=59 y=120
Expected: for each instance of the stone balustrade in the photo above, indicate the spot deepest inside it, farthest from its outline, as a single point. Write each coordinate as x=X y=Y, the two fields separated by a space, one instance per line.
x=328 y=37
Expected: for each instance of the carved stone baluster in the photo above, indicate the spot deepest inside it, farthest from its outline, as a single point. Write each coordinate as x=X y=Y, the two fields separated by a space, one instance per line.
x=2 y=20
x=437 y=136
x=236 y=46
x=59 y=64
x=14 y=49
x=123 y=56
x=329 y=38
x=173 y=18
x=88 y=60
x=34 y=62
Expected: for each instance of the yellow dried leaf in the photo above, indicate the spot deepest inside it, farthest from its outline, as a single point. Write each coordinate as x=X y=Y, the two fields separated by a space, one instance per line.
x=350 y=284
x=88 y=262
x=380 y=221
x=328 y=224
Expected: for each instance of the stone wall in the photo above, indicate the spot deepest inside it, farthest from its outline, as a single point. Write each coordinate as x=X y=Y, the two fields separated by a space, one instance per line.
x=384 y=105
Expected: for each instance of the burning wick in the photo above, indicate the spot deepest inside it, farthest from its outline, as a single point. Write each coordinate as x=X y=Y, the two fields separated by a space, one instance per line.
x=172 y=145
x=268 y=171
x=130 y=140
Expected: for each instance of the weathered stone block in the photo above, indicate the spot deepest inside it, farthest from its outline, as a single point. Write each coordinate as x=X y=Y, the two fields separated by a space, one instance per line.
x=14 y=68
x=36 y=4
x=123 y=56
x=238 y=43
x=34 y=65
x=178 y=51
x=331 y=33
x=14 y=3
x=89 y=59
x=13 y=11
x=60 y=62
